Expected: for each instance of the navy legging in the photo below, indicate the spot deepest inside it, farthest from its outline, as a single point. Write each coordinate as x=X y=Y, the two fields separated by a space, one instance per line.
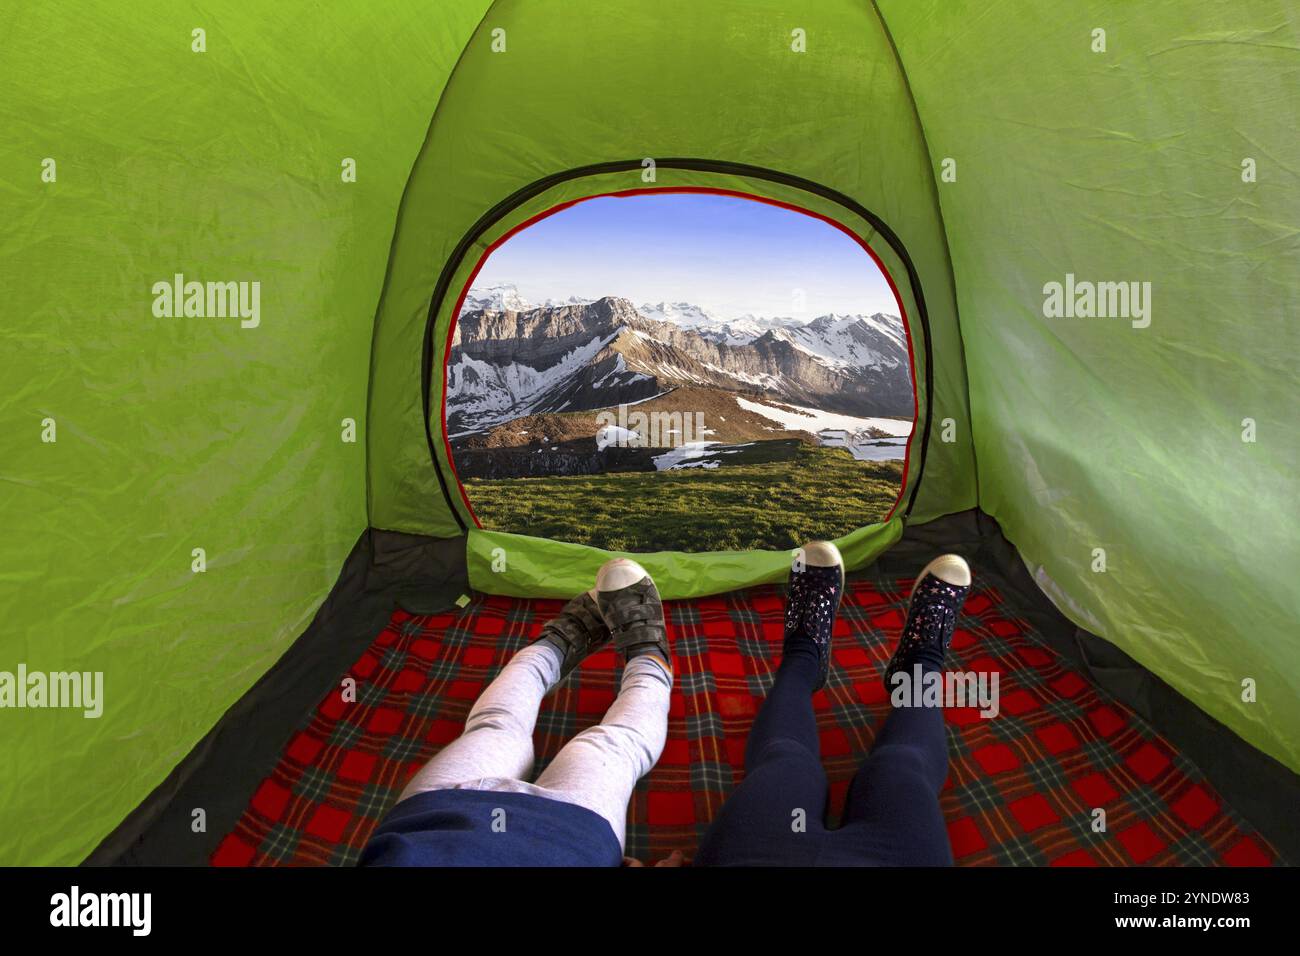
x=892 y=815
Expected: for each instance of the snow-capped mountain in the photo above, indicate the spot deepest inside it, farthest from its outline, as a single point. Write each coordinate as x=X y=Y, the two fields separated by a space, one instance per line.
x=571 y=300
x=745 y=329
x=850 y=341
x=499 y=296
x=505 y=297
x=834 y=338
x=682 y=314
x=506 y=363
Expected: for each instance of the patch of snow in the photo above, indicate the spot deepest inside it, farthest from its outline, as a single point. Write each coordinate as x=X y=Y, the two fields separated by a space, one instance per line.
x=614 y=435
x=620 y=368
x=669 y=370
x=865 y=448
x=800 y=418
x=687 y=456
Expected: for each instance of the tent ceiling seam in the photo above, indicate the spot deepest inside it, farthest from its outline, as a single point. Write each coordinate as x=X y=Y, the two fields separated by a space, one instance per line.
x=943 y=230
x=392 y=245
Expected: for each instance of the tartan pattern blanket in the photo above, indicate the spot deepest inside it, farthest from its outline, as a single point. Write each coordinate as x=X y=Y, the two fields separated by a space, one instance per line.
x=1021 y=789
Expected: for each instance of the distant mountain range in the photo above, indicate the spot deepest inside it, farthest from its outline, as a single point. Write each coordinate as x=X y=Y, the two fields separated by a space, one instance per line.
x=510 y=358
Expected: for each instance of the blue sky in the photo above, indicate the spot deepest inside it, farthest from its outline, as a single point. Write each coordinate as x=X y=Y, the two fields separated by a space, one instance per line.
x=728 y=254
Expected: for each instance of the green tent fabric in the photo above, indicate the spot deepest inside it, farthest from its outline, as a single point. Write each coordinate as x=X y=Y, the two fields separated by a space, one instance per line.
x=982 y=151
x=181 y=434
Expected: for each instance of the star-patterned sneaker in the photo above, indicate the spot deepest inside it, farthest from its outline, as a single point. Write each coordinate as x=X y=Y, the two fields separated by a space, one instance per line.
x=936 y=600
x=816 y=586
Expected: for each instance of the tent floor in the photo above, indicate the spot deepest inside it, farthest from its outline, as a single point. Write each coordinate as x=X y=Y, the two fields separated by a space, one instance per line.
x=292 y=775
x=1021 y=788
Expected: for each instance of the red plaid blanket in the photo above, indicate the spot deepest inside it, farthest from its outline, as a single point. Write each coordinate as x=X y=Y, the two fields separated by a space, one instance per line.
x=1021 y=789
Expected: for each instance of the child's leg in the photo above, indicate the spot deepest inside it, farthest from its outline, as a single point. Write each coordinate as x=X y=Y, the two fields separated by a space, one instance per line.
x=599 y=768
x=498 y=736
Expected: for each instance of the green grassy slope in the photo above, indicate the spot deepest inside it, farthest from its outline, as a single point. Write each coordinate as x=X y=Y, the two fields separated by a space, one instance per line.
x=819 y=493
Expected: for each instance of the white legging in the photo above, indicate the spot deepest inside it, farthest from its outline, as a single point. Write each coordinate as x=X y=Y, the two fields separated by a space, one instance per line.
x=597 y=769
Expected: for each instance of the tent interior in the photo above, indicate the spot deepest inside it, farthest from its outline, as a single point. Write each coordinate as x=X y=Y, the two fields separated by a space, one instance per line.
x=238 y=247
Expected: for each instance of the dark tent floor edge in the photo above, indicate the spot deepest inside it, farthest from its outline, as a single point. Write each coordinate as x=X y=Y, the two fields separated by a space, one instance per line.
x=390 y=570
